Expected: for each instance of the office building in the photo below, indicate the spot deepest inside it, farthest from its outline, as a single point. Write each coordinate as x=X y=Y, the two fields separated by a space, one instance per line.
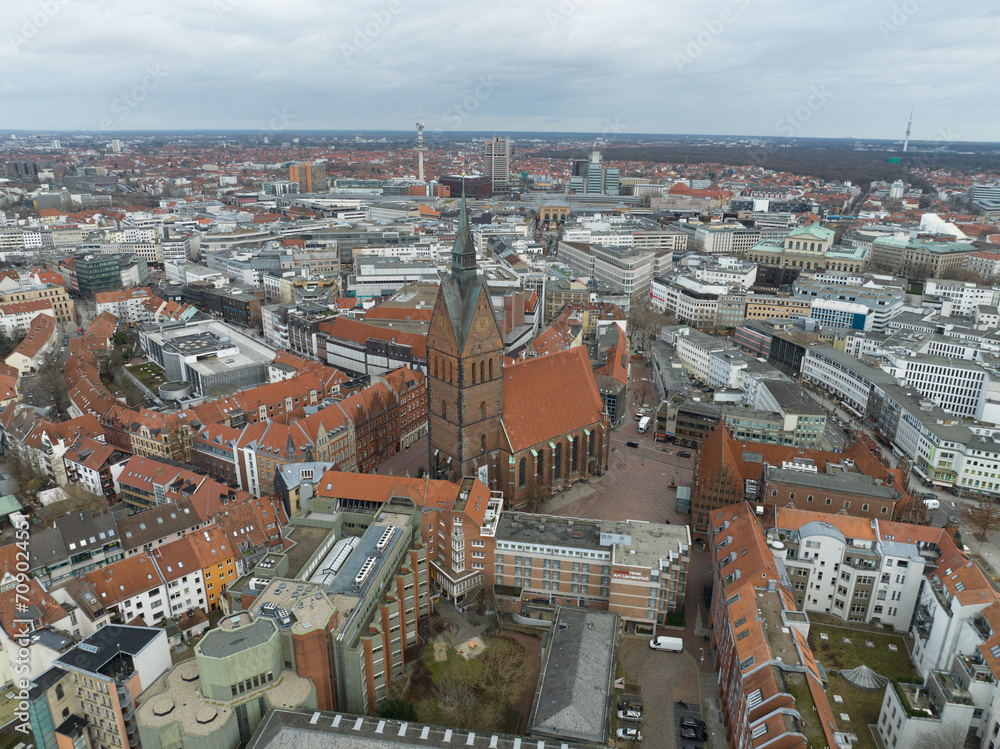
x=496 y=163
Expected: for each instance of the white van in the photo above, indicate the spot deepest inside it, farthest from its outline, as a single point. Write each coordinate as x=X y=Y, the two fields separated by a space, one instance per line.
x=644 y=424
x=673 y=644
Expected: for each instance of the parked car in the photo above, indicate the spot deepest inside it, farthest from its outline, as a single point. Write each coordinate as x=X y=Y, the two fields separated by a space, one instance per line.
x=683 y=454
x=693 y=723
x=932 y=504
x=629 y=734
x=631 y=443
x=693 y=733
x=629 y=714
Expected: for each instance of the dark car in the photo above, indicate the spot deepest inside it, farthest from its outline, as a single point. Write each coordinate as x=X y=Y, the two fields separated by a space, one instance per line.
x=693 y=723
x=693 y=733
x=631 y=443
x=626 y=704
x=683 y=454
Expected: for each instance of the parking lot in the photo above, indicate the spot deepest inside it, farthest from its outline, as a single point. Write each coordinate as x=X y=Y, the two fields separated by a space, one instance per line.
x=665 y=678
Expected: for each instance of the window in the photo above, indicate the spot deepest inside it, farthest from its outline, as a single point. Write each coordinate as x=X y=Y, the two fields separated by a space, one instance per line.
x=444 y=409
x=491 y=369
x=482 y=409
x=521 y=472
x=540 y=464
x=557 y=462
x=482 y=443
x=573 y=456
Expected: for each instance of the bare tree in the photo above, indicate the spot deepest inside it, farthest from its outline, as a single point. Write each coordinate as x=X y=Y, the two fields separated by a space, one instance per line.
x=983 y=517
x=506 y=668
x=644 y=321
x=951 y=735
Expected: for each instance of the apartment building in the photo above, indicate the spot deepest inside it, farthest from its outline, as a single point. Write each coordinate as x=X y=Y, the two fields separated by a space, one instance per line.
x=842 y=566
x=755 y=618
x=637 y=570
x=129 y=588
x=74 y=545
x=88 y=697
x=19 y=292
x=128 y=305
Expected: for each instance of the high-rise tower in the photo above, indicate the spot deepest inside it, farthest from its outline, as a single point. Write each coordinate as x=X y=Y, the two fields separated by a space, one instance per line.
x=420 y=151
x=496 y=163
x=906 y=140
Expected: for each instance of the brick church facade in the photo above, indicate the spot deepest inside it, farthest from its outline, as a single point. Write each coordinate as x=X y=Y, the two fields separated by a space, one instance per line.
x=537 y=426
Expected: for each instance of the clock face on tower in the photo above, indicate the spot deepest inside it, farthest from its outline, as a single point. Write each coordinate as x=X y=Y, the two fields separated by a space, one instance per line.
x=482 y=327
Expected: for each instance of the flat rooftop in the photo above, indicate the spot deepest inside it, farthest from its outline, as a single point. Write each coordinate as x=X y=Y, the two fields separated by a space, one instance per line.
x=793 y=398
x=550 y=530
x=650 y=543
x=229 y=638
x=778 y=634
x=309 y=729
x=198 y=343
x=176 y=697
x=307 y=603
x=839 y=481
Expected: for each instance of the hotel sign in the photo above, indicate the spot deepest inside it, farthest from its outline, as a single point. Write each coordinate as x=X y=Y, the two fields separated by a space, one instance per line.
x=635 y=575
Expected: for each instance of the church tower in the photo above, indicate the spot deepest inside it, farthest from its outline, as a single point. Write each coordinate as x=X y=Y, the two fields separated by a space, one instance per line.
x=465 y=367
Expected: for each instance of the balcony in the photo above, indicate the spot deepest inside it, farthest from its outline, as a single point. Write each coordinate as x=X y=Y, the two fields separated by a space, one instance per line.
x=975 y=669
x=949 y=690
x=981 y=626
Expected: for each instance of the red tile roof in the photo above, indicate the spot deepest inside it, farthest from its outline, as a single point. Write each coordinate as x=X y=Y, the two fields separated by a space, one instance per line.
x=547 y=397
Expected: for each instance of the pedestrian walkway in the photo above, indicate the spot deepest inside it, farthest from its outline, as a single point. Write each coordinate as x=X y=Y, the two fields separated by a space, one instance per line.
x=408 y=461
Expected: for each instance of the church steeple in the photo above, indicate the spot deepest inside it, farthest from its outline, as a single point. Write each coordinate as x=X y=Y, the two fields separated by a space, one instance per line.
x=463 y=253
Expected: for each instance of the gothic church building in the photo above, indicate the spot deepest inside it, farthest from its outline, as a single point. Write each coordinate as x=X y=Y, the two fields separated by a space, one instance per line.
x=538 y=425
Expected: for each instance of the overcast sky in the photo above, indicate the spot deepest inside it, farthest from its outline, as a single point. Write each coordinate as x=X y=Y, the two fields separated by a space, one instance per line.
x=754 y=67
